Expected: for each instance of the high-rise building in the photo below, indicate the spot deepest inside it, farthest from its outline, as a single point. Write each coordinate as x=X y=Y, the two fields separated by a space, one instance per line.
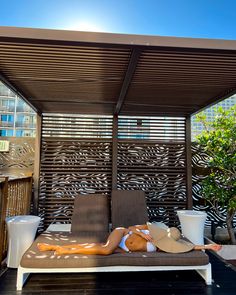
x=16 y=117
x=210 y=112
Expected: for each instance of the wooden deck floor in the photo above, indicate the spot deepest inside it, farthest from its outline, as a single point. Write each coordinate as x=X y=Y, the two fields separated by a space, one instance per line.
x=168 y=283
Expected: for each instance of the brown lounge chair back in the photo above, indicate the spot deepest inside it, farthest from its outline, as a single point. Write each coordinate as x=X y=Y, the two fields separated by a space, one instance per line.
x=90 y=217
x=128 y=208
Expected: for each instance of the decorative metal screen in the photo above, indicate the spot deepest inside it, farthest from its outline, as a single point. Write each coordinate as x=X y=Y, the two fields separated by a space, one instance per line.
x=76 y=158
x=151 y=157
x=20 y=158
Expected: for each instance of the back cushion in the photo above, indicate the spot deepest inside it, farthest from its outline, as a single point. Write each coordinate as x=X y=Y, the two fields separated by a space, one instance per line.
x=128 y=208
x=90 y=215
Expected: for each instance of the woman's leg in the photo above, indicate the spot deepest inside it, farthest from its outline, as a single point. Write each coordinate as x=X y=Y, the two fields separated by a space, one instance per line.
x=214 y=247
x=47 y=247
x=90 y=248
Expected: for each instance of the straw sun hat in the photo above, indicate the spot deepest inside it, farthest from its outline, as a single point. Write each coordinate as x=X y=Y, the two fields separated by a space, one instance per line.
x=168 y=239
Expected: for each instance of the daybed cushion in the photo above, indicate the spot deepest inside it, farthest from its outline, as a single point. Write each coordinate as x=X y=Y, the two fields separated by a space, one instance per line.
x=33 y=258
x=91 y=216
x=128 y=208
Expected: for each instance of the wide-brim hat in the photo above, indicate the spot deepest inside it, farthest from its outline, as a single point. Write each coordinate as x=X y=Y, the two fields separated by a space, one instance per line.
x=168 y=239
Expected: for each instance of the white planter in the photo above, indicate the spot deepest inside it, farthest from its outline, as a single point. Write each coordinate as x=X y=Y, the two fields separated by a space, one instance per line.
x=192 y=225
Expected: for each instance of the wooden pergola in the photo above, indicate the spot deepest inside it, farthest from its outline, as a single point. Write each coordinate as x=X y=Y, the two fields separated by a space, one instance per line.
x=134 y=84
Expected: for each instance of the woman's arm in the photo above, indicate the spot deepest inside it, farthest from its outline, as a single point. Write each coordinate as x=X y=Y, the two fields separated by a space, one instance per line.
x=214 y=247
x=136 y=229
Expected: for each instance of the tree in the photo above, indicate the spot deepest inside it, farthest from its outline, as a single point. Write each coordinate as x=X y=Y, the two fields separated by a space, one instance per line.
x=218 y=140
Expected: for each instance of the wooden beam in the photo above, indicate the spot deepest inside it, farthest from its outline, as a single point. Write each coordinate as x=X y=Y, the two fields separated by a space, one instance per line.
x=214 y=100
x=37 y=163
x=52 y=36
x=128 y=78
x=114 y=152
x=3 y=211
x=188 y=158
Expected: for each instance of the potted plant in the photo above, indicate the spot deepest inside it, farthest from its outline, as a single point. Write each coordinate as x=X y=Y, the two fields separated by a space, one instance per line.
x=218 y=141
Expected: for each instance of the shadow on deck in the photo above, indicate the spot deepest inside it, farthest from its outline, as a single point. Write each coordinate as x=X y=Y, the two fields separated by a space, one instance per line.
x=168 y=283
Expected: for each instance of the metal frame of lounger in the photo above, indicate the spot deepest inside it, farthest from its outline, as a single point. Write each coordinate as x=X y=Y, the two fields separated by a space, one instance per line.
x=23 y=273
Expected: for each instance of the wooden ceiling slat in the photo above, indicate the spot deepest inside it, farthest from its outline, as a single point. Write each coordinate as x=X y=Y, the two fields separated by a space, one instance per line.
x=93 y=58
x=186 y=84
x=61 y=48
x=86 y=75
x=25 y=62
x=162 y=66
x=70 y=84
x=190 y=54
x=187 y=65
x=82 y=70
x=180 y=76
x=185 y=62
x=76 y=62
x=64 y=51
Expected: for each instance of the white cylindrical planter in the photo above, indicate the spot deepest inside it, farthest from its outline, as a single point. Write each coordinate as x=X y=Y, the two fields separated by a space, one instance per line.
x=21 y=234
x=192 y=225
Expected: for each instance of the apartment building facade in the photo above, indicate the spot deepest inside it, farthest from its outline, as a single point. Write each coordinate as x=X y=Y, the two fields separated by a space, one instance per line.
x=197 y=127
x=16 y=117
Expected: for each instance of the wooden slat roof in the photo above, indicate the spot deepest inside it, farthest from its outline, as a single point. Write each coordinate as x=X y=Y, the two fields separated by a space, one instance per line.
x=80 y=72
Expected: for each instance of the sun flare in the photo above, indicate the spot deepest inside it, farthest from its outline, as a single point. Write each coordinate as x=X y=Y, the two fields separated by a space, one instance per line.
x=85 y=26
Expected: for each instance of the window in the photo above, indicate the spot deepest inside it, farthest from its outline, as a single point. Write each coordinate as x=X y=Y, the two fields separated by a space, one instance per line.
x=7 y=118
x=6 y=132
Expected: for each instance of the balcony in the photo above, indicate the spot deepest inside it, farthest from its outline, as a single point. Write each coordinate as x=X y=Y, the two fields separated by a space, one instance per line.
x=6 y=124
x=25 y=125
x=24 y=109
x=7 y=109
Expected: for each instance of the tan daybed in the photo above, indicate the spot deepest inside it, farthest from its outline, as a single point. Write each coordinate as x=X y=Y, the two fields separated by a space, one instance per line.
x=90 y=223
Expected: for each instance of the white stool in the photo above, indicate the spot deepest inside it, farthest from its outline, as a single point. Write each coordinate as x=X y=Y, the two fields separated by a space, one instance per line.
x=192 y=225
x=21 y=234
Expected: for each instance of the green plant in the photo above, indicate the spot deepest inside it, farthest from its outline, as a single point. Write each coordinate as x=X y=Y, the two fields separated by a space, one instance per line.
x=218 y=140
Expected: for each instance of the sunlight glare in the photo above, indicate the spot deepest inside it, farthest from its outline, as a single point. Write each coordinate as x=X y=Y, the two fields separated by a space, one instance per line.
x=85 y=26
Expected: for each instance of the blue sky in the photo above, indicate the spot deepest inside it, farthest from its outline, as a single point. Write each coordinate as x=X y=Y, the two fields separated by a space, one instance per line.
x=185 y=18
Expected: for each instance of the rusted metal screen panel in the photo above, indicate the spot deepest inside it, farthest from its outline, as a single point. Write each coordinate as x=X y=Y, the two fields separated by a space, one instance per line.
x=151 y=157
x=76 y=159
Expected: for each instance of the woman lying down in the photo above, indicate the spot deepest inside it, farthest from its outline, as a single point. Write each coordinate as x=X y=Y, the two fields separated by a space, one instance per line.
x=149 y=237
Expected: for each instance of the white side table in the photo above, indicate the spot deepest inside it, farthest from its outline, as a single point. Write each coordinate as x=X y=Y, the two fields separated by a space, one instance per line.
x=21 y=234
x=192 y=225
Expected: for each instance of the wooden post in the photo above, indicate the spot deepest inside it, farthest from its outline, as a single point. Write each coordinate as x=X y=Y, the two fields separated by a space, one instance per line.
x=3 y=208
x=114 y=152
x=188 y=163
x=37 y=165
